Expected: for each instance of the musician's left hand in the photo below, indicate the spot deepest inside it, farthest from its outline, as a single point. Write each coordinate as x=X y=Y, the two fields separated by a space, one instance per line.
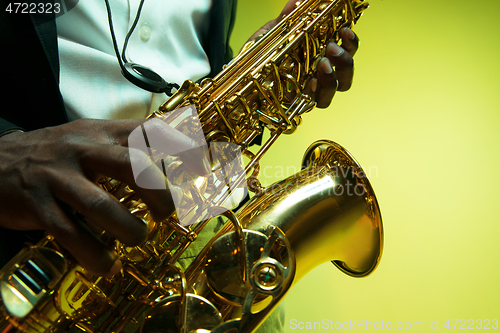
x=335 y=70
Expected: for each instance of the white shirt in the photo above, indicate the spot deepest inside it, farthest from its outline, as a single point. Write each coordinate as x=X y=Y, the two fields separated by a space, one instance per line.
x=168 y=38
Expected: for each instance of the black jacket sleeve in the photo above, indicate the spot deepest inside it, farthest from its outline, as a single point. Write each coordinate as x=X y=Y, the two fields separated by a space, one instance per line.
x=30 y=94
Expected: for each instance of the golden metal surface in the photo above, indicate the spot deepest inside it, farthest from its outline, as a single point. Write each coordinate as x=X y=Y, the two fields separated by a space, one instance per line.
x=283 y=232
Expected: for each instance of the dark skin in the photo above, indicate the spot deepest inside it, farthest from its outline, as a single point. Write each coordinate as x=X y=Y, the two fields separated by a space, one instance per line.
x=47 y=173
x=328 y=80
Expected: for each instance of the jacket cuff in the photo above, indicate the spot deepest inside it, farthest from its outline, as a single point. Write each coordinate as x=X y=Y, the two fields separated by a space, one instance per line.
x=7 y=127
x=10 y=131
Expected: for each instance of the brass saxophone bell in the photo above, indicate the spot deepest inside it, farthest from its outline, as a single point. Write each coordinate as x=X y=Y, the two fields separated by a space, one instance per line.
x=328 y=212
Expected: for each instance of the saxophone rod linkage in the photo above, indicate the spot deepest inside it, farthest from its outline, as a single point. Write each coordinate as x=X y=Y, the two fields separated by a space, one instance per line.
x=262 y=51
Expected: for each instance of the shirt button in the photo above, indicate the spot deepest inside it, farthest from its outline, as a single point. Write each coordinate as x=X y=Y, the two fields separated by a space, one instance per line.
x=145 y=33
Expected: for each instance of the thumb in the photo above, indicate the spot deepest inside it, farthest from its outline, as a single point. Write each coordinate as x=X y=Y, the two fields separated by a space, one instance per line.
x=289 y=7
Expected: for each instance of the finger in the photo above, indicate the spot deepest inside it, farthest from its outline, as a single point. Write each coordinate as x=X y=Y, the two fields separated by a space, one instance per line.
x=344 y=65
x=159 y=200
x=289 y=7
x=90 y=252
x=101 y=208
x=311 y=87
x=136 y=169
x=115 y=132
x=327 y=83
x=350 y=41
x=156 y=135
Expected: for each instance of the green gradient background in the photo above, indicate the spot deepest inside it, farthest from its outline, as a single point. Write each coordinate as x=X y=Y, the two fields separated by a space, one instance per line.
x=423 y=118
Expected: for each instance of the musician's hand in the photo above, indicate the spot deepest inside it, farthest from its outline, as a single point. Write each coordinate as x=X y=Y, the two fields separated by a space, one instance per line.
x=47 y=173
x=336 y=69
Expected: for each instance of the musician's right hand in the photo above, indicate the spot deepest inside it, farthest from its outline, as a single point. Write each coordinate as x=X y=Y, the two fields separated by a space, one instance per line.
x=48 y=173
x=336 y=68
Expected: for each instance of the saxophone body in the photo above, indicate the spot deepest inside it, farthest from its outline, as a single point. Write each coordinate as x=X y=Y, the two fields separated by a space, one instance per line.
x=326 y=212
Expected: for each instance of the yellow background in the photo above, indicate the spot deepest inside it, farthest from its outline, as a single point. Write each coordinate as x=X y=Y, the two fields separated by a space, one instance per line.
x=423 y=118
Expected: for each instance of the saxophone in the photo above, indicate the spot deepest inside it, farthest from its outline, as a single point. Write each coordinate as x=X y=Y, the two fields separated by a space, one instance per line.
x=326 y=212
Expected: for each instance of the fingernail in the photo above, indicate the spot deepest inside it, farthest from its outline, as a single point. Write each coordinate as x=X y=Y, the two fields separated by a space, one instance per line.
x=314 y=84
x=196 y=160
x=334 y=50
x=349 y=33
x=176 y=192
x=326 y=66
x=206 y=162
x=115 y=269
